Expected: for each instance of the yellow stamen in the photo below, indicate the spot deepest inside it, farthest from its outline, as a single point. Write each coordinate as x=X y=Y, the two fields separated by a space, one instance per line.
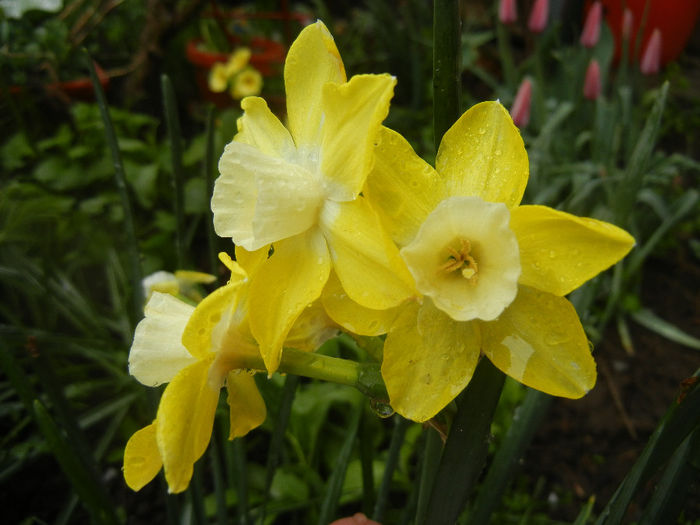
x=462 y=260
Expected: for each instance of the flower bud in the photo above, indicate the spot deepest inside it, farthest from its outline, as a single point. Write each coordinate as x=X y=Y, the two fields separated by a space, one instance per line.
x=627 y=24
x=591 y=85
x=651 y=58
x=538 y=16
x=520 y=111
x=591 y=28
x=507 y=11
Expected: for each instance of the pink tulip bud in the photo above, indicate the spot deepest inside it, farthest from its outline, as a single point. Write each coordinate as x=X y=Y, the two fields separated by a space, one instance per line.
x=627 y=24
x=651 y=58
x=591 y=28
x=507 y=11
x=538 y=16
x=520 y=111
x=591 y=85
x=357 y=519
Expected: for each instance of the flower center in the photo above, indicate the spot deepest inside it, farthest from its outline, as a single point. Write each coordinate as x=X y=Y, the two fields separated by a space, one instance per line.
x=465 y=258
x=462 y=260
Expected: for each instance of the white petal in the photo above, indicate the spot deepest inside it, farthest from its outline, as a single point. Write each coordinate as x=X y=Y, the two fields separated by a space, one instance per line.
x=259 y=199
x=157 y=353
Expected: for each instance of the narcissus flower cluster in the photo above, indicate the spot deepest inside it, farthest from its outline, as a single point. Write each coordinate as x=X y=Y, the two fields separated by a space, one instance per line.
x=337 y=222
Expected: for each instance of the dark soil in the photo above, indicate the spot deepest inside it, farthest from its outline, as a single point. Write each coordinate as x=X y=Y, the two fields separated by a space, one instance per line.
x=586 y=447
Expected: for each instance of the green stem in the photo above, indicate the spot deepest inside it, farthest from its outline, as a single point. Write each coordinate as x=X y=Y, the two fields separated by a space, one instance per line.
x=446 y=66
x=506 y=56
x=366 y=377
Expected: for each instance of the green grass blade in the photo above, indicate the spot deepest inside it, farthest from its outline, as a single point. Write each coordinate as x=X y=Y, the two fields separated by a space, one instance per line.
x=683 y=206
x=526 y=421
x=638 y=161
x=240 y=472
x=88 y=488
x=446 y=66
x=277 y=440
x=335 y=483
x=216 y=462
x=653 y=322
x=172 y=122
x=430 y=462
x=120 y=180
x=367 y=459
x=681 y=418
x=671 y=491
x=585 y=514
x=467 y=445
x=400 y=426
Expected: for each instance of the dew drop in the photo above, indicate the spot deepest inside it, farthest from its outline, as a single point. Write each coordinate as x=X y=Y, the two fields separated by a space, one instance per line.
x=381 y=407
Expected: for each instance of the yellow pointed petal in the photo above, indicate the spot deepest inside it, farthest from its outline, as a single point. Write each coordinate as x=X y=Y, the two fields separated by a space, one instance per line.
x=259 y=199
x=559 y=251
x=365 y=259
x=402 y=187
x=250 y=261
x=157 y=353
x=312 y=61
x=353 y=113
x=197 y=336
x=289 y=280
x=141 y=458
x=260 y=128
x=238 y=274
x=539 y=341
x=311 y=329
x=482 y=154
x=190 y=276
x=184 y=422
x=247 y=406
x=428 y=359
x=350 y=315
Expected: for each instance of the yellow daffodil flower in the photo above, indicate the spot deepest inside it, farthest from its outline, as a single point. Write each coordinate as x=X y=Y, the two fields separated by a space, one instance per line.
x=218 y=77
x=238 y=61
x=492 y=274
x=292 y=198
x=247 y=83
x=197 y=351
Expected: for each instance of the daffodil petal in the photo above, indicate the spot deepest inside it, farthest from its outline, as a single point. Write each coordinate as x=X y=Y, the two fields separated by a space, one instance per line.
x=402 y=187
x=428 y=359
x=260 y=128
x=157 y=353
x=200 y=330
x=353 y=113
x=539 y=341
x=251 y=261
x=311 y=329
x=289 y=280
x=482 y=154
x=259 y=199
x=559 y=251
x=312 y=61
x=350 y=315
x=238 y=274
x=141 y=458
x=184 y=422
x=247 y=407
x=365 y=259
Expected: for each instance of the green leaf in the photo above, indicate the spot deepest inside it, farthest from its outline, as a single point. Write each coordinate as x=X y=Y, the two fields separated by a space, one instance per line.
x=85 y=483
x=335 y=483
x=467 y=445
x=653 y=322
